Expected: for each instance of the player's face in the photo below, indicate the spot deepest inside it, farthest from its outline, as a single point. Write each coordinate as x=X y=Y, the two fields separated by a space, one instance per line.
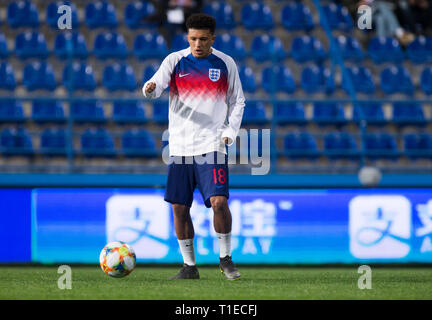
x=200 y=42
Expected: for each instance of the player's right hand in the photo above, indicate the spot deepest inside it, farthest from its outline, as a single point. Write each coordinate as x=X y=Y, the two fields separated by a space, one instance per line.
x=150 y=87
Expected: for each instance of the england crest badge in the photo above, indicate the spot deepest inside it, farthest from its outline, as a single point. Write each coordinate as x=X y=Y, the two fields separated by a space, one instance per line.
x=214 y=74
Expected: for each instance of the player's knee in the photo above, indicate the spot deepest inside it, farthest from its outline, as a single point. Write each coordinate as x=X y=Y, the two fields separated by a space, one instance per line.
x=219 y=203
x=180 y=210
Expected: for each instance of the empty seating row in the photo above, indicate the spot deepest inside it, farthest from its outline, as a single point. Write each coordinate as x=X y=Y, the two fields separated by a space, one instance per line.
x=393 y=79
x=120 y=76
x=402 y=113
x=385 y=49
x=39 y=75
x=263 y=47
x=343 y=145
x=84 y=111
x=93 y=142
x=139 y=142
x=295 y=16
x=152 y=45
x=77 y=76
x=97 y=14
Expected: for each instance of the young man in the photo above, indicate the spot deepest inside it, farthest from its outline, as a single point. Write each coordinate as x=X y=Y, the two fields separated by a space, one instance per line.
x=206 y=104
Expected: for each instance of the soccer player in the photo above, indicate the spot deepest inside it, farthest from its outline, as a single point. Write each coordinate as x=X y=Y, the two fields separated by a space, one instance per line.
x=206 y=104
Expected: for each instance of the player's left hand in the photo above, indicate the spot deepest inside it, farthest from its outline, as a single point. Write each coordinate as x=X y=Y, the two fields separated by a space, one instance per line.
x=226 y=140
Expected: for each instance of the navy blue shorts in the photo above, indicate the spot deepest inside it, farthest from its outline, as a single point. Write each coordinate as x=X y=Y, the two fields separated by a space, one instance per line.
x=187 y=173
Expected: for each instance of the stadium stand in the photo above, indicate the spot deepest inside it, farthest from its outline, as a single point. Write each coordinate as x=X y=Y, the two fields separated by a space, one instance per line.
x=48 y=111
x=7 y=76
x=11 y=111
x=78 y=48
x=297 y=16
x=136 y=12
x=53 y=142
x=323 y=86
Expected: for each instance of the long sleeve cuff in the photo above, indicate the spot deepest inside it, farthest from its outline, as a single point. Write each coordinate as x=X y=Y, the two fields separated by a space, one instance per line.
x=230 y=134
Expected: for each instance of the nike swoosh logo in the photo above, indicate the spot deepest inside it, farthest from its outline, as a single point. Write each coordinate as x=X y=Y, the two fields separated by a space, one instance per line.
x=183 y=75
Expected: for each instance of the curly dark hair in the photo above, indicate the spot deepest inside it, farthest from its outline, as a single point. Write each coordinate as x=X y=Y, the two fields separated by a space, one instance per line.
x=201 y=21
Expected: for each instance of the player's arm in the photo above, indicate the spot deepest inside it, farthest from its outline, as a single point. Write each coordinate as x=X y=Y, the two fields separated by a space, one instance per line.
x=236 y=103
x=154 y=87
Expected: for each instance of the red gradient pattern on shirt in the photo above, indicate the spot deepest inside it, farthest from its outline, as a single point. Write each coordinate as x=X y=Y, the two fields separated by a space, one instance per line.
x=199 y=86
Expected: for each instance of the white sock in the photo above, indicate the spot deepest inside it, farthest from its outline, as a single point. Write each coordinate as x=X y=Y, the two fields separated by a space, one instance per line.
x=399 y=32
x=187 y=251
x=224 y=244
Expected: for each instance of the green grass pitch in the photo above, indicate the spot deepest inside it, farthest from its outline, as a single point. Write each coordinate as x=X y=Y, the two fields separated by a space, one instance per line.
x=275 y=283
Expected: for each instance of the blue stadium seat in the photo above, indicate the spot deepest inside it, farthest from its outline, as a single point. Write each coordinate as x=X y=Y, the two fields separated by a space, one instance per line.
x=361 y=78
x=53 y=142
x=247 y=78
x=100 y=14
x=4 y=51
x=327 y=112
x=230 y=44
x=426 y=80
x=350 y=48
x=110 y=45
x=317 y=79
x=11 y=110
x=380 y=145
x=128 y=112
x=39 y=75
x=22 y=14
x=119 y=77
x=406 y=113
x=385 y=49
x=278 y=78
x=179 y=42
x=307 y=48
x=297 y=16
x=222 y=12
x=160 y=112
x=52 y=15
x=372 y=112
x=418 y=145
x=15 y=142
x=138 y=143
x=300 y=145
x=79 y=76
x=420 y=50
x=7 y=76
x=257 y=16
x=267 y=47
x=255 y=113
x=340 y=145
x=150 y=46
x=289 y=112
x=48 y=111
x=78 y=45
x=97 y=142
x=396 y=79
x=31 y=44
x=136 y=12
x=87 y=111
x=149 y=71
x=338 y=17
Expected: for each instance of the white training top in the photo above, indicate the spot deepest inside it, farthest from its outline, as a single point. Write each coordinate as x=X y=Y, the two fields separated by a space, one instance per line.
x=206 y=101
